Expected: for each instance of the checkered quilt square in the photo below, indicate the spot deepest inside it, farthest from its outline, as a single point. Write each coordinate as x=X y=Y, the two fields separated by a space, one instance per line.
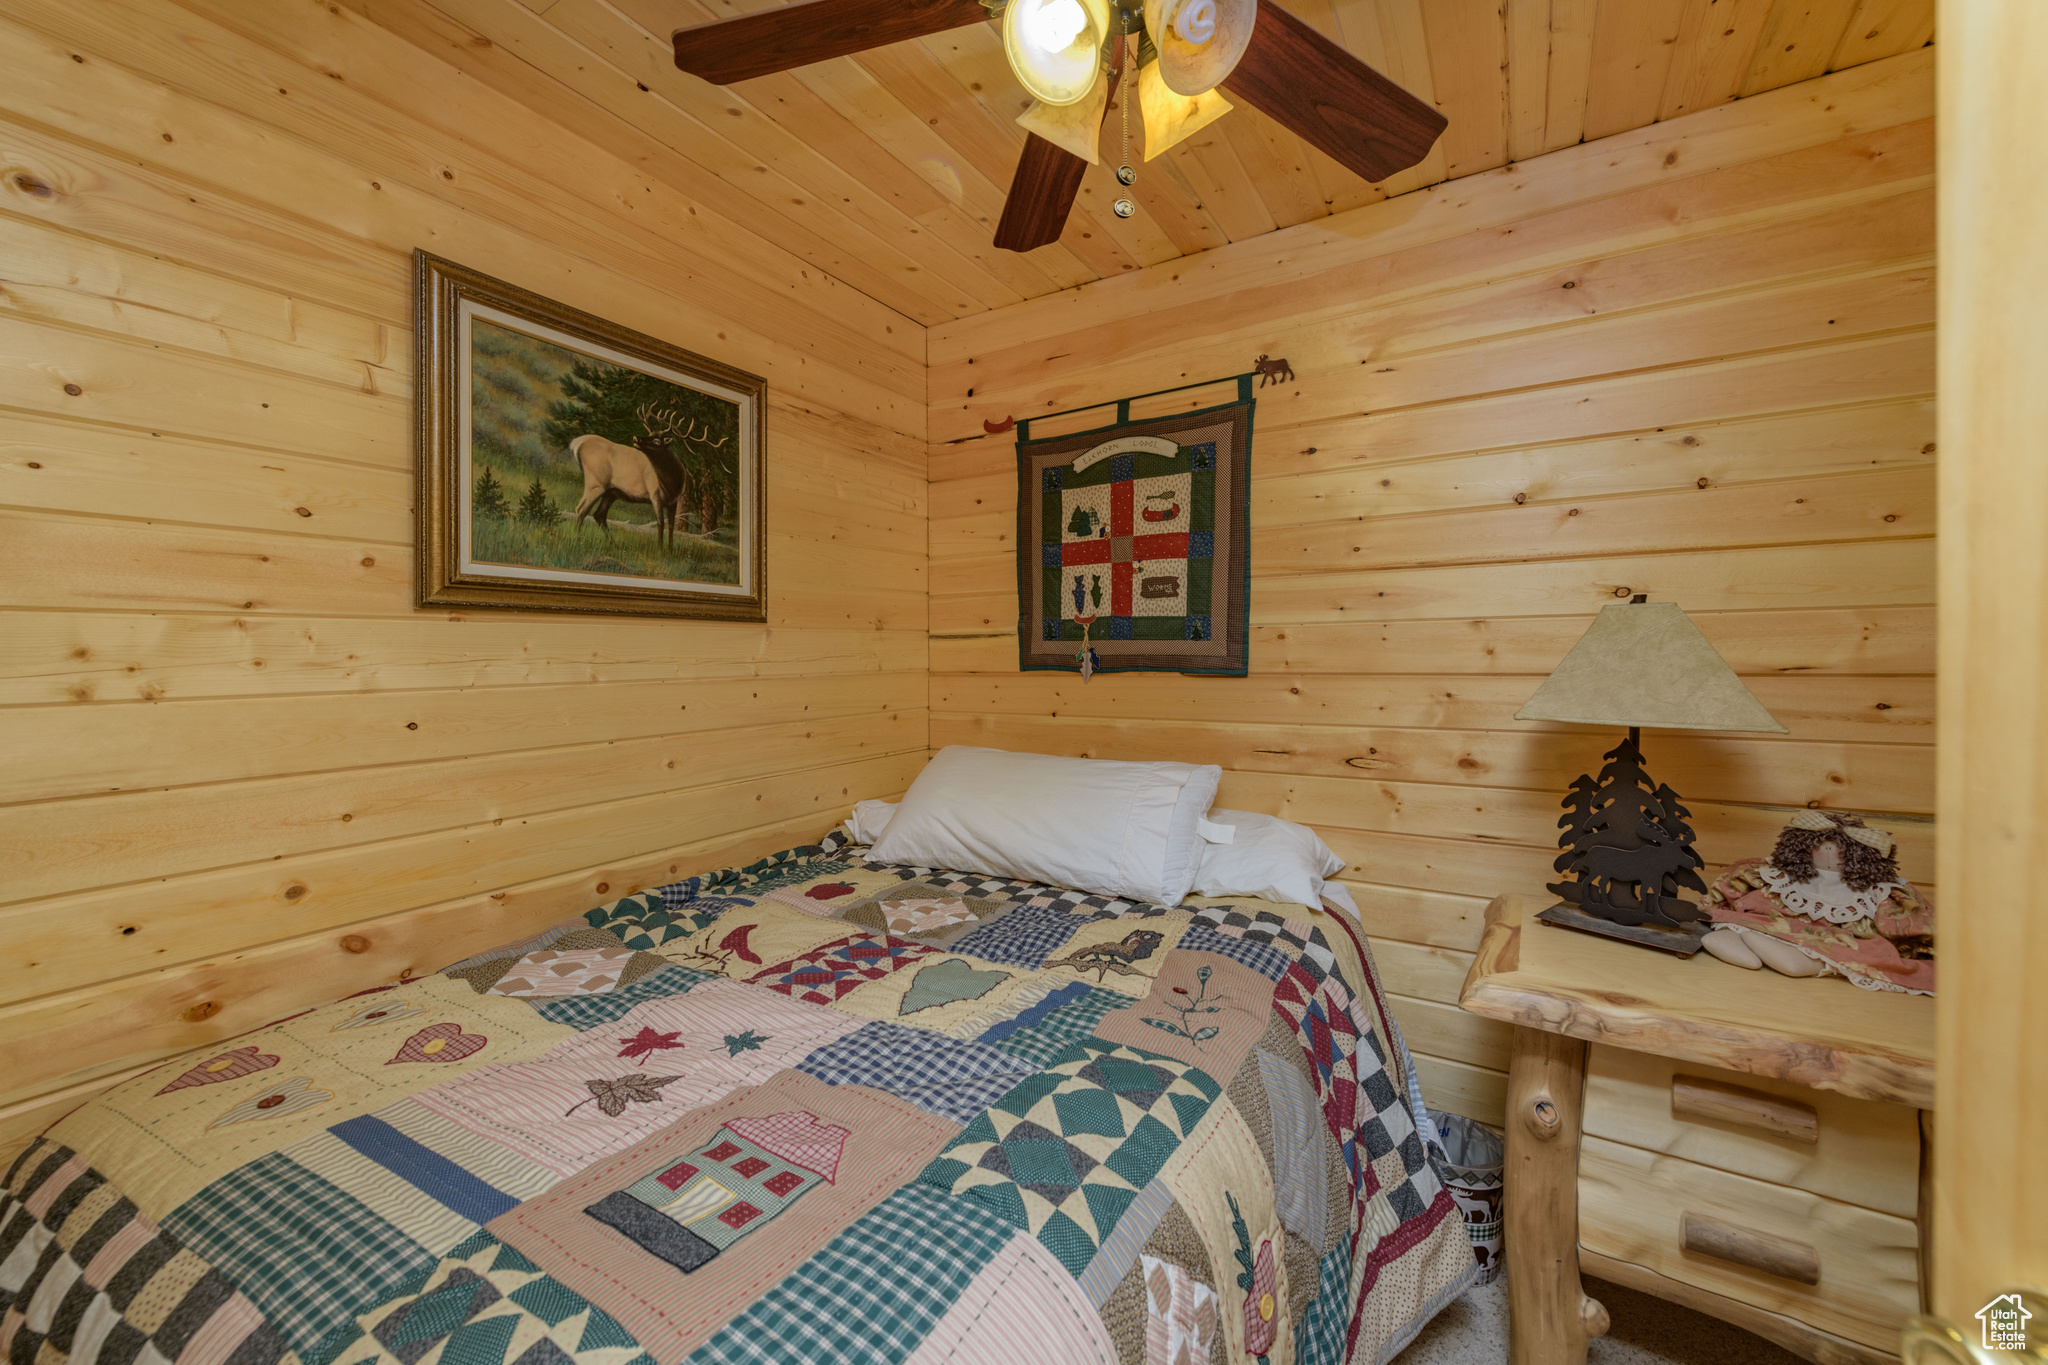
x=1361 y=1102
x=1320 y=1338
x=1298 y=940
x=759 y=879
x=675 y=894
x=1262 y=958
x=94 y=1282
x=309 y=1254
x=1067 y=1150
x=957 y=883
x=1087 y=904
x=873 y=1293
x=1056 y=1023
x=1025 y=937
x=585 y=1012
x=941 y=1075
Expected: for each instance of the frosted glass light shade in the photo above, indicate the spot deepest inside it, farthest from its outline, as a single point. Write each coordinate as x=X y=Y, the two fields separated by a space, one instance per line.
x=1199 y=41
x=1055 y=46
x=1646 y=664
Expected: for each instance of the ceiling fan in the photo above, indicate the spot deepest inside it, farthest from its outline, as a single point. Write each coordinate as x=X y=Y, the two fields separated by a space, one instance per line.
x=1071 y=56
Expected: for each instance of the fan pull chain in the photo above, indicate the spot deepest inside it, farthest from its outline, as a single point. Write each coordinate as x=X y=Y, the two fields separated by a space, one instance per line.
x=1126 y=92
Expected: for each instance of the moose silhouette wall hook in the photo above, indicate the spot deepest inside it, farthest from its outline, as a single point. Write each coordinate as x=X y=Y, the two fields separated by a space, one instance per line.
x=1273 y=371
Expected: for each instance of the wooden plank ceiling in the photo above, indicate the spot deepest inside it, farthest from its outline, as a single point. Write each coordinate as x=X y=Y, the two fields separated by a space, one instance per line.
x=888 y=170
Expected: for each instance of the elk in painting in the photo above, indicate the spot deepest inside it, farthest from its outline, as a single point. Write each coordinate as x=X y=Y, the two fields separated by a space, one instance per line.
x=704 y=469
x=645 y=472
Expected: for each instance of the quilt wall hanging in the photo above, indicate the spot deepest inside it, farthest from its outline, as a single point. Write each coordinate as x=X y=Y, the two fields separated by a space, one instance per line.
x=1133 y=550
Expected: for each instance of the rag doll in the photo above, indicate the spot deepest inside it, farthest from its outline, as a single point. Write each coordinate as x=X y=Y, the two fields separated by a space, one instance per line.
x=1829 y=900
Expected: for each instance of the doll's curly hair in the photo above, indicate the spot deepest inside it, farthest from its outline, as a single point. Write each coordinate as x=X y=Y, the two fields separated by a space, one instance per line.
x=1862 y=866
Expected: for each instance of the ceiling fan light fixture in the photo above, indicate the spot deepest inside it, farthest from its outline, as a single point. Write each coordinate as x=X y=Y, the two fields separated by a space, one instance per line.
x=1185 y=51
x=1171 y=117
x=1199 y=41
x=1054 y=25
x=1055 y=47
x=1195 y=24
x=1075 y=127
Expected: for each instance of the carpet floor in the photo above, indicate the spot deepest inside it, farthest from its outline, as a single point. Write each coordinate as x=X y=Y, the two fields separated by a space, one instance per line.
x=1646 y=1330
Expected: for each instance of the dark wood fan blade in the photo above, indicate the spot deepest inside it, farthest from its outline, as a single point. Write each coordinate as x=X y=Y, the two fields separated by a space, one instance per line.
x=774 y=40
x=1041 y=196
x=1047 y=179
x=1331 y=100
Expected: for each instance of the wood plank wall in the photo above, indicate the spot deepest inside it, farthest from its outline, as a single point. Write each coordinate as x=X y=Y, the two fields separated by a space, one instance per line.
x=1693 y=361
x=241 y=772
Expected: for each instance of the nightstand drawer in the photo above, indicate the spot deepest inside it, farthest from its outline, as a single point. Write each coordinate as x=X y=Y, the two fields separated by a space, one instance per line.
x=1833 y=1265
x=1857 y=1151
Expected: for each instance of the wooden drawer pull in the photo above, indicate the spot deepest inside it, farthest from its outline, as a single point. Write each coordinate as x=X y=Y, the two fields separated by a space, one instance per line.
x=1780 y=1256
x=1696 y=1097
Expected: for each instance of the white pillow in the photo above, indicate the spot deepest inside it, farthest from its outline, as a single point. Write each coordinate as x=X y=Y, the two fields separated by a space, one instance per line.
x=1271 y=859
x=1115 y=829
x=1339 y=895
x=868 y=819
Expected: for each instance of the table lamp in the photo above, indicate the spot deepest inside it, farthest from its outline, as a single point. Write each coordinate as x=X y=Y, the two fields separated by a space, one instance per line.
x=1627 y=847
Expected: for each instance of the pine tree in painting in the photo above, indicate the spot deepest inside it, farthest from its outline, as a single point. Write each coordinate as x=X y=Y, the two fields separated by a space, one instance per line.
x=536 y=507
x=490 y=496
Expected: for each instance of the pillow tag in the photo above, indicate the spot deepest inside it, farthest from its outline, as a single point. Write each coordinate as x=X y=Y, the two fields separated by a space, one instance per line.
x=1217 y=834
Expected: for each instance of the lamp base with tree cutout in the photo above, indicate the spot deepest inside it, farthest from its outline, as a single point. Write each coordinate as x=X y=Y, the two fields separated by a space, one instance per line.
x=1627 y=853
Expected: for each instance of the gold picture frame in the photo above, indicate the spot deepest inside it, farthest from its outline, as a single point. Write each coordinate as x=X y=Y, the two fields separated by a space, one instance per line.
x=567 y=463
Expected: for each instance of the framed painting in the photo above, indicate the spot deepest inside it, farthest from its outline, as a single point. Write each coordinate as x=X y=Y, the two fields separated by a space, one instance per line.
x=1133 y=542
x=571 y=464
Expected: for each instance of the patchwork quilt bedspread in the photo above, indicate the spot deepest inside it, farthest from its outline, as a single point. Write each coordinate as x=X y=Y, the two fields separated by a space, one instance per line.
x=817 y=1109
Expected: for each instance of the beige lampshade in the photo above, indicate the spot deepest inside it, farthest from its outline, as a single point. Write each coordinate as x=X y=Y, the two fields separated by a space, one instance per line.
x=1646 y=663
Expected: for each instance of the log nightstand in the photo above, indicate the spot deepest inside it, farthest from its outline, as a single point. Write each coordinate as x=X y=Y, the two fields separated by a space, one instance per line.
x=1745 y=1144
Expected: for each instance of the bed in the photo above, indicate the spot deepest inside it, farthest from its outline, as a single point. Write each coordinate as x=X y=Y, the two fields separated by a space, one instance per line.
x=816 y=1109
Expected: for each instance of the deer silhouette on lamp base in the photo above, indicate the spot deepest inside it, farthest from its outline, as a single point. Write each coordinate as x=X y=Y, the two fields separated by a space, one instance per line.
x=1627 y=853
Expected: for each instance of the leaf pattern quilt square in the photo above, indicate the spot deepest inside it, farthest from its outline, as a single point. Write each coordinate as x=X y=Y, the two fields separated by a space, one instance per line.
x=606 y=1089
